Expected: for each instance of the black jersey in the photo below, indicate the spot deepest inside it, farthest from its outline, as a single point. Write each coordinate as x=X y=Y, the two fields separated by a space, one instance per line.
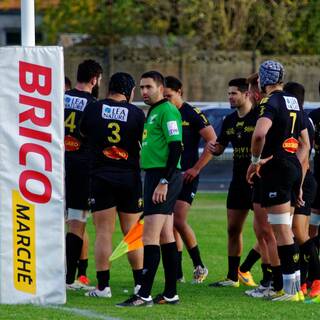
x=193 y=120
x=75 y=102
x=114 y=132
x=239 y=131
x=310 y=127
x=315 y=117
x=287 y=123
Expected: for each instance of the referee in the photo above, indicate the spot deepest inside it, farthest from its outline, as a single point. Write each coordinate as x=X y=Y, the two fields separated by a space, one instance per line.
x=160 y=158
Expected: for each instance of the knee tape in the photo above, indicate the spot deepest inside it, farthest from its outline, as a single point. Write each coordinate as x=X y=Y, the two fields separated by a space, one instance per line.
x=314 y=219
x=282 y=218
x=75 y=214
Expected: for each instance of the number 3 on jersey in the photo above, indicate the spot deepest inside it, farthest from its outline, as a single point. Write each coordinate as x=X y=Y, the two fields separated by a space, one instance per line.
x=115 y=136
x=70 y=122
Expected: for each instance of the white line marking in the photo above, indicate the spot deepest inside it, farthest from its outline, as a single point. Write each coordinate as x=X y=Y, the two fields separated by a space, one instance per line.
x=83 y=312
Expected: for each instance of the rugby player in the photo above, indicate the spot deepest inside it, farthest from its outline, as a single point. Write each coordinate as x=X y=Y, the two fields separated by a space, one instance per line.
x=113 y=128
x=315 y=211
x=266 y=245
x=276 y=138
x=160 y=158
x=77 y=165
x=195 y=126
x=309 y=258
x=237 y=128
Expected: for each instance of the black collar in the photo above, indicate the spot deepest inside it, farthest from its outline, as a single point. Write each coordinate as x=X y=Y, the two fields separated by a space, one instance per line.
x=155 y=105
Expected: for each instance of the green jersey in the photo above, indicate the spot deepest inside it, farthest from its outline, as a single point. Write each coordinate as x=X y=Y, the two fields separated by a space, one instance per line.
x=163 y=125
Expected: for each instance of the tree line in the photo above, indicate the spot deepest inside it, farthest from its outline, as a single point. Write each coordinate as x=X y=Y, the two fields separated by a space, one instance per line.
x=270 y=26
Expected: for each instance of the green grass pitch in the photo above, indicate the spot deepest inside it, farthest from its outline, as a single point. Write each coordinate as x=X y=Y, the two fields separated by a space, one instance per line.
x=208 y=218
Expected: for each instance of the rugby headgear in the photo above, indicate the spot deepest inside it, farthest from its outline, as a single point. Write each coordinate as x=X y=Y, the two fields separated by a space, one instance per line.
x=270 y=72
x=123 y=83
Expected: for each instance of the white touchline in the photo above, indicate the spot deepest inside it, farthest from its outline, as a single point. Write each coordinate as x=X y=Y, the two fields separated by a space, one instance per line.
x=82 y=312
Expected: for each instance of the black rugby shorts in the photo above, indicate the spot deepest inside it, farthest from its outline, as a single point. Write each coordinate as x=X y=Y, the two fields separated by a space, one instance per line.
x=189 y=190
x=239 y=195
x=309 y=189
x=280 y=181
x=126 y=197
x=77 y=183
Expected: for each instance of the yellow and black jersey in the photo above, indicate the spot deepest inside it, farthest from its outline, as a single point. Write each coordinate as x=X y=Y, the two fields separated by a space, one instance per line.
x=287 y=123
x=113 y=131
x=238 y=131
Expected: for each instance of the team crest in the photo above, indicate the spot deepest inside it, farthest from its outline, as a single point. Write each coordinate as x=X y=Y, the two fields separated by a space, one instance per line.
x=140 y=203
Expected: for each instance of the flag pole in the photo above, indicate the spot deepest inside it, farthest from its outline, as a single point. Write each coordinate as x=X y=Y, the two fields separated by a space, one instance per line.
x=27 y=23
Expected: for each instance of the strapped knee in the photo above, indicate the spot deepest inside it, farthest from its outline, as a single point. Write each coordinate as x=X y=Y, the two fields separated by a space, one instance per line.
x=282 y=218
x=315 y=219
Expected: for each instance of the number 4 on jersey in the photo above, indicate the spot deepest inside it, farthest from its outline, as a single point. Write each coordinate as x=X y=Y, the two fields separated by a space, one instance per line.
x=70 y=122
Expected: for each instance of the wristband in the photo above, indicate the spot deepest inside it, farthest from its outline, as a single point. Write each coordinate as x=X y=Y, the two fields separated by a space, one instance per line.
x=163 y=181
x=255 y=160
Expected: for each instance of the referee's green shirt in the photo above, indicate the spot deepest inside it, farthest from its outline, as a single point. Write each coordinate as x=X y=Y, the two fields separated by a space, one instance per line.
x=163 y=125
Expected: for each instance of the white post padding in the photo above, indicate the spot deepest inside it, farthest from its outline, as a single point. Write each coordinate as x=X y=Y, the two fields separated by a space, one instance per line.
x=32 y=249
x=27 y=23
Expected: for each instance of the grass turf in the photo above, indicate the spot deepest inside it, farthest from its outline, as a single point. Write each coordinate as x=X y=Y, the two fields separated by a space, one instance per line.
x=208 y=218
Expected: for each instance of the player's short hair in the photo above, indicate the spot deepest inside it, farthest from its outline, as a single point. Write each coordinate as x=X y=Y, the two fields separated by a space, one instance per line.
x=67 y=83
x=240 y=83
x=155 y=75
x=253 y=79
x=296 y=89
x=173 y=83
x=87 y=70
x=123 y=83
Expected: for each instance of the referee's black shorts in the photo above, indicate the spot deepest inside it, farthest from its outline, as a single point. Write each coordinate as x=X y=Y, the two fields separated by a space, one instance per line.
x=151 y=180
x=280 y=181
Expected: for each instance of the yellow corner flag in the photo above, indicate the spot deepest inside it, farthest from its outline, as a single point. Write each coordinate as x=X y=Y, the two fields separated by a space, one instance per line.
x=132 y=241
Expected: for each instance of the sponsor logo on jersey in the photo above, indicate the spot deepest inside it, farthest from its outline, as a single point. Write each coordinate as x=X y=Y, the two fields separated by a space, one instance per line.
x=249 y=129
x=75 y=103
x=114 y=113
x=115 y=153
x=230 y=131
x=185 y=123
x=291 y=103
x=71 y=143
x=290 y=145
x=240 y=124
x=173 y=129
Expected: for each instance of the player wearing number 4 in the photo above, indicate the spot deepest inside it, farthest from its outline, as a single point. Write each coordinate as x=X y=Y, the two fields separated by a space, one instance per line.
x=77 y=165
x=114 y=128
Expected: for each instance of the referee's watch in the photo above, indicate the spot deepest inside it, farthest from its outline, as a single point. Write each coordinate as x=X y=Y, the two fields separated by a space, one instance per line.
x=163 y=181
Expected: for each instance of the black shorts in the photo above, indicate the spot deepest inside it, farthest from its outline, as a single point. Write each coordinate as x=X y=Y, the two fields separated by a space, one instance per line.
x=280 y=181
x=256 y=193
x=77 y=183
x=151 y=181
x=239 y=195
x=316 y=201
x=189 y=190
x=309 y=191
x=106 y=194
